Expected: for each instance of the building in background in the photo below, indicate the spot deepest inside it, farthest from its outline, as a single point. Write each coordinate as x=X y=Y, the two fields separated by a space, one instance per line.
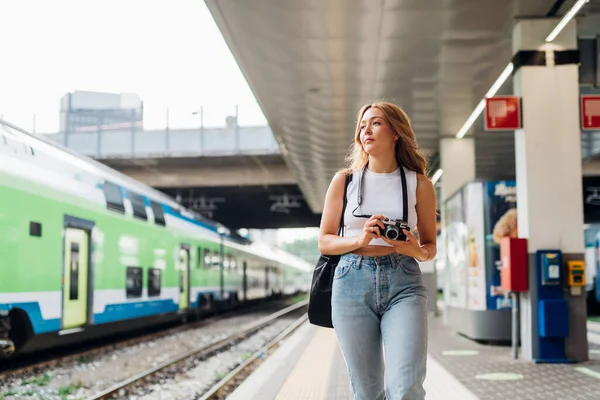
x=84 y=111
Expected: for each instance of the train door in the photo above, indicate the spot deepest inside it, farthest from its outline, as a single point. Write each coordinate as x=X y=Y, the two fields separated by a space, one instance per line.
x=184 y=277
x=75 y=278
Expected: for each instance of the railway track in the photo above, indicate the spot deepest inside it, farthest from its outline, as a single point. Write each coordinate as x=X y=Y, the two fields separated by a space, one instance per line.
x=145 y=378
x=12 y=369
x=230 y=382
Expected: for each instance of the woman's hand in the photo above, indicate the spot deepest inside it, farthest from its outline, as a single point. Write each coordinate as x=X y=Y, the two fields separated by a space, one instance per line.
x=410 y=247
x=371 y=230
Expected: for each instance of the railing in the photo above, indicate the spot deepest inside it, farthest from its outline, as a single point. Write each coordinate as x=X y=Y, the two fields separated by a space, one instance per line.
x=134 y=142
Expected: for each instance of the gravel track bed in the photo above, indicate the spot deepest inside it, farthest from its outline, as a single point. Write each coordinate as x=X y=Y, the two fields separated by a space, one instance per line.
x=82 y=378
x=229 y=387
x=194 y=378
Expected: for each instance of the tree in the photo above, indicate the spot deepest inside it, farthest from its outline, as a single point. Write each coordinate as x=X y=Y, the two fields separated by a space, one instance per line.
x=307 y=249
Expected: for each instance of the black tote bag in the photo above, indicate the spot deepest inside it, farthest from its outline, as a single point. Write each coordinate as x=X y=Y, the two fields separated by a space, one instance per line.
x=319 y=302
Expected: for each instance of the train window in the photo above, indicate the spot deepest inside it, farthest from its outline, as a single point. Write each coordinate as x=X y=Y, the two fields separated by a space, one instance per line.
x=35 y=229
x=199 y=258
x=114 y=198
x=139 y=208
x=74 y=273
x=159 y=216
x=134 y=282
x=154 y=282
x=216 y=262
x=226 y=262
x=233 y=265
x=207 y=259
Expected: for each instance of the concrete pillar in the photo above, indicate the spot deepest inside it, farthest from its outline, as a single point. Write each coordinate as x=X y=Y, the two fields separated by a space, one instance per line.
x=457 y=160
x=548 y=166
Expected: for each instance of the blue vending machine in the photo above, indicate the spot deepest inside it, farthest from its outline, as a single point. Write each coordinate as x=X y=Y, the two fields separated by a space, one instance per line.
x=553 y=309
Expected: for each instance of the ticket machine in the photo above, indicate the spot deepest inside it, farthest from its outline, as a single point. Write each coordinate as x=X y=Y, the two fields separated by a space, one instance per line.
x=550 y=280
x=553 y=310
x=577 y=281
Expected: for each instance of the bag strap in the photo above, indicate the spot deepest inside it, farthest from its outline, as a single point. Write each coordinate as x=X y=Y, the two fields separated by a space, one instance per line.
x=341 y=228
x=404 y=195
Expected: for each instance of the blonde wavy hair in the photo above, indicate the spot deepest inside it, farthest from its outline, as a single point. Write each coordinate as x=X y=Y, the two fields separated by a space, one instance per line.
x=407 y=151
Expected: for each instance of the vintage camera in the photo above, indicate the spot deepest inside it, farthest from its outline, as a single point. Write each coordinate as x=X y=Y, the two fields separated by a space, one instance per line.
x=393 y=229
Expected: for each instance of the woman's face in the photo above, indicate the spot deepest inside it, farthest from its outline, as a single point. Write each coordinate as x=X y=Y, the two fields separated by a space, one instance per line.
x=376 y=134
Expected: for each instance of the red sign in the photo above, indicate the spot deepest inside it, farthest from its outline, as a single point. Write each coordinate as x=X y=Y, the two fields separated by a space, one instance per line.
x=590 y=112
x=502 y=113
x=513 y=267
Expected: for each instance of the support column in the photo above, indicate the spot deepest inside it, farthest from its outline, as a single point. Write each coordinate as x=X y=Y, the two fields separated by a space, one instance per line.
x=548 y=166
x=457 y=160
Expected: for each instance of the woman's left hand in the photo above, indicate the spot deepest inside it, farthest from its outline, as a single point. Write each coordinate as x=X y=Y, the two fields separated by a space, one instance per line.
x=410 y=247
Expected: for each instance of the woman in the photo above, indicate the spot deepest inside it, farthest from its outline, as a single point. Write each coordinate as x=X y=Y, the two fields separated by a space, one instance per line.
x=378 y=296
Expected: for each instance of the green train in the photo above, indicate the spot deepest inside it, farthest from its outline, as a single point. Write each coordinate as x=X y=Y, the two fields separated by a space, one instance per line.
x=86 y=252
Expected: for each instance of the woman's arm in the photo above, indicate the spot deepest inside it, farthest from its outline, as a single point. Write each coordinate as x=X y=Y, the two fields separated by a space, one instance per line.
x=329 y=241
x=426 y=214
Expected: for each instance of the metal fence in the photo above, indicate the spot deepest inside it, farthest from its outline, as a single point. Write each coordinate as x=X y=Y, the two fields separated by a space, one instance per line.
x=135 y=142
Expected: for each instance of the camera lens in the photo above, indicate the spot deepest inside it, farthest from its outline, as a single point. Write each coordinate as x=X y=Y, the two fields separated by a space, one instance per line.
x=391 y=233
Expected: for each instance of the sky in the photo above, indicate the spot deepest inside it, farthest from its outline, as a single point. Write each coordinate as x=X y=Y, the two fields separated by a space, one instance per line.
x=169 y=52
x=290 y=234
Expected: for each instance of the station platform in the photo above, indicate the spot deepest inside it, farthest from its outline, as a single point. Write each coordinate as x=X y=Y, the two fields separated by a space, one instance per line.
x=310 y=366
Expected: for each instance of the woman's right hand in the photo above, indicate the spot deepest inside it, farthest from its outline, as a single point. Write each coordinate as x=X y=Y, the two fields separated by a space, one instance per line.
x=371 y=230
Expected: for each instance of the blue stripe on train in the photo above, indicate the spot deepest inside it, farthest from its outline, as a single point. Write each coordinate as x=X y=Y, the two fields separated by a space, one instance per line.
x=119 y=312
x=169 y=211
x=112 y=312
x=39 y=324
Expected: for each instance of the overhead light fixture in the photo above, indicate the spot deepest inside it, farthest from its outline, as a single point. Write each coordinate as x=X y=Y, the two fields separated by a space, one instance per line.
x=481 y=106
x=471 y=120
x=565 y=20
x=437 y=176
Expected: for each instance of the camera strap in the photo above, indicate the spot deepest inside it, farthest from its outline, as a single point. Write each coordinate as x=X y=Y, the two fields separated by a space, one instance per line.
x=404 y=194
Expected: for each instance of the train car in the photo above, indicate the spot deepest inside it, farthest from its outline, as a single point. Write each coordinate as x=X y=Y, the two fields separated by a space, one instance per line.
x=86 y=252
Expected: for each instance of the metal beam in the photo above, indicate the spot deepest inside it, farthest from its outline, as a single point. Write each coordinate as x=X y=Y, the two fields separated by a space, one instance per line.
x=250 y=175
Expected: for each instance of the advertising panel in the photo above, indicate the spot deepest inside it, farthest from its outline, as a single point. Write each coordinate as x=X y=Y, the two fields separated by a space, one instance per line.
x=500 y=221
x=473 y=211
x=455 y=290
x=591 y=199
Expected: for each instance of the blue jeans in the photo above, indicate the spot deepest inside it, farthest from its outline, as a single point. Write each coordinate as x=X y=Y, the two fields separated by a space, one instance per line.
x=375 y=301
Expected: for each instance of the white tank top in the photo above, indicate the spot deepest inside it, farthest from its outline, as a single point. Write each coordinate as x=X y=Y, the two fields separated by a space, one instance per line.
x=382 y=194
